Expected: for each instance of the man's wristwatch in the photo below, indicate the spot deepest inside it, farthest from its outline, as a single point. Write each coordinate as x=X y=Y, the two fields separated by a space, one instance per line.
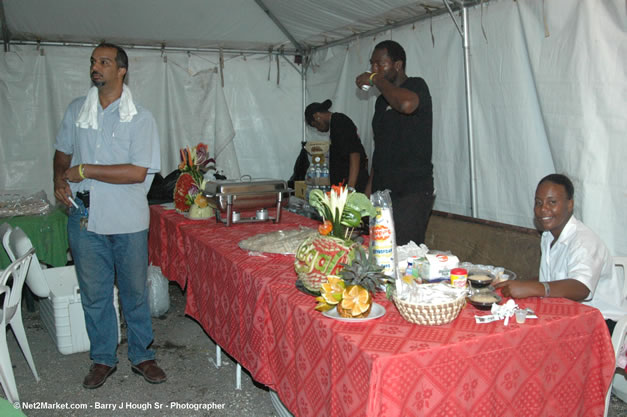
x=547 y=289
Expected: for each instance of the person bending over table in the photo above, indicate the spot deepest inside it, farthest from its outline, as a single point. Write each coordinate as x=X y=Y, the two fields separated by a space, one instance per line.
x=107 y=152
x=348 y=162
x=402 y=126
x=575 y=263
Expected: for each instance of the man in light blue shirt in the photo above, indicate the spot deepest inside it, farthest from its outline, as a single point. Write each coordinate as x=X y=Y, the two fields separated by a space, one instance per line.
x=107 y=152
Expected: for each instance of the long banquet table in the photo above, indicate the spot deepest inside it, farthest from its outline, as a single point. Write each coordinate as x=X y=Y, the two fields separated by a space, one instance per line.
x=560 y=364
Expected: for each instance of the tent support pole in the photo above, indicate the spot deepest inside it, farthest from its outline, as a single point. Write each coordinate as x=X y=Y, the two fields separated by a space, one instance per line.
x=469 y=125
x=278 y=24
x=465 y=35
x=303 y=77
x=298 y=70
x=6 y=33
x=225 y=51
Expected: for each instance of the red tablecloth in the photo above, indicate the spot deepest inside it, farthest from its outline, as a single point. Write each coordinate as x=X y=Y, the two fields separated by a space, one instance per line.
x=558 y=365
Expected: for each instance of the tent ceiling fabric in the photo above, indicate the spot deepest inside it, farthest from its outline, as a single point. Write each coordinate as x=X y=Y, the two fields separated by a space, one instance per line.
x=315 y=23
x=183 y=23
x=237 y=24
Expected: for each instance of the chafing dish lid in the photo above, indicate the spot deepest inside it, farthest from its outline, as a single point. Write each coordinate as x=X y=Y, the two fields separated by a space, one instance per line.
x=226 y=187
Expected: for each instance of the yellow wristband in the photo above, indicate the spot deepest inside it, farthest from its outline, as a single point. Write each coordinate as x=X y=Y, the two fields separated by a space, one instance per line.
x=81 y=172
x=371 y=77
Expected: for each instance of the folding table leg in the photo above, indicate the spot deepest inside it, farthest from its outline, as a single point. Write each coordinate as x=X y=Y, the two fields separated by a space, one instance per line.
x=218 y=361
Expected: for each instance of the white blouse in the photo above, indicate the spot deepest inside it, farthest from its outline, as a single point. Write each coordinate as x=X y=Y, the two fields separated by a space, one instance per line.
x=581 y=255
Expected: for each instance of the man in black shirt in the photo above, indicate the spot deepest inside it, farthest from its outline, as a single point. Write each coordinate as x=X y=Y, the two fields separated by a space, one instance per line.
x=348 y=162
x=402 y=126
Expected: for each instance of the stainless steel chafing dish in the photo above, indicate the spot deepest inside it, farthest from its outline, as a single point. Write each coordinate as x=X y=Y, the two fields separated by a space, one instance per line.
x=230 y=197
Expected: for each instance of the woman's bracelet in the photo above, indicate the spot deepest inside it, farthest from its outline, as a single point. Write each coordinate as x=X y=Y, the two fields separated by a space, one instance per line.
x=547 y=289
x=81 y=171
x=371 y=77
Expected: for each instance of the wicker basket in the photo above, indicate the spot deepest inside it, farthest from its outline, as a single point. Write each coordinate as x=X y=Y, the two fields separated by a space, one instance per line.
x=430 y=314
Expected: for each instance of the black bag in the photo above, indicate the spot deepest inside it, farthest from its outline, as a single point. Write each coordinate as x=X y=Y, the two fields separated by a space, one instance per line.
x=162 y=189
x=301 y=165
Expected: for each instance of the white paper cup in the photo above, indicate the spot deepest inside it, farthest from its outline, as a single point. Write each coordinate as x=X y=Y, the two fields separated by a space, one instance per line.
x=521 y=316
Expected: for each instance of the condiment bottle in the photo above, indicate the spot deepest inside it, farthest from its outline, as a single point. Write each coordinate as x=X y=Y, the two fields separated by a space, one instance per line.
x=459 y=277
x=408 y=277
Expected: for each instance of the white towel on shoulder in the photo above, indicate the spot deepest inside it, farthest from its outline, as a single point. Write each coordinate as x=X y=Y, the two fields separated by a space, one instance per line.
x=88 y=116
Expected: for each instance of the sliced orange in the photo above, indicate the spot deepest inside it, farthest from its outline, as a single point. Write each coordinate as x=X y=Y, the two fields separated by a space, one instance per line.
x=356 y=300
x=331 y=291
x=322 y=304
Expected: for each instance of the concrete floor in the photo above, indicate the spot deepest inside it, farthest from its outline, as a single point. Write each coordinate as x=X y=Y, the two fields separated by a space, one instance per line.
x=183 y=350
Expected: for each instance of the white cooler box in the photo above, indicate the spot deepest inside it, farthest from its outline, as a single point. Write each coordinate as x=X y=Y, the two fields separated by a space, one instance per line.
x=62 y=312
x=60 y=307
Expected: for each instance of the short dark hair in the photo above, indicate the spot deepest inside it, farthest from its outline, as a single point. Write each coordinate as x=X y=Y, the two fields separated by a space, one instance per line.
x=394 y=49
x=121 y=59
x=563 y=180
x=314 y=108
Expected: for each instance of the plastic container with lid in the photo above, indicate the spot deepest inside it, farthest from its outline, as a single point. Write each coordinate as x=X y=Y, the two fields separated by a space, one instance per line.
x=459 y=277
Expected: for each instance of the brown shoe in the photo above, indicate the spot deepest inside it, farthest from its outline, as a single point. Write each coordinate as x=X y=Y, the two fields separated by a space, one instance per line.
x=150 y=371
x=97 y=375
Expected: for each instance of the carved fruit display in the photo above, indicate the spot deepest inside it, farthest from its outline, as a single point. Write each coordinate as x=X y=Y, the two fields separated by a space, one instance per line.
x=320 y=256
x=183 y=184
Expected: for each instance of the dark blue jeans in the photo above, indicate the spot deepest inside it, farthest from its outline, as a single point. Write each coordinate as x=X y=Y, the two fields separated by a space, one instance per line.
x=100 y=260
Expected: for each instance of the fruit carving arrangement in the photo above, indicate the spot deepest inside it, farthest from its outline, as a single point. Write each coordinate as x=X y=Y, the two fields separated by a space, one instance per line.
x=320 y=256
x=352 y=292
x=325 y=253
x=195 y=162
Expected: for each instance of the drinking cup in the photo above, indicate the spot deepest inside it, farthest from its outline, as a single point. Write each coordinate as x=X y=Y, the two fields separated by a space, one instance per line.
x=366 y=87
x=521 y=316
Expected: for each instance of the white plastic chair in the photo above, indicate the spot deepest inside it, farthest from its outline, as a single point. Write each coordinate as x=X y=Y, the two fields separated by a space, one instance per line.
x=619 y=338
x=5 y=231
x=11 y=314
x=4 y=228
x=16 y=243
x=54 y=284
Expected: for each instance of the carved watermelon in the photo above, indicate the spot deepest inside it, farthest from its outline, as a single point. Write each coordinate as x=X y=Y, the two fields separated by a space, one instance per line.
x=183 y=184
x=319 y=256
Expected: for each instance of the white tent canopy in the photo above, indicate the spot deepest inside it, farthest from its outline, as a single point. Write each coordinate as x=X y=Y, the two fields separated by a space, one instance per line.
x=236 y=24
x=548 y=88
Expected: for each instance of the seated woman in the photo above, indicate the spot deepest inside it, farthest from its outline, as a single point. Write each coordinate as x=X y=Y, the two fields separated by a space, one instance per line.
x=575 y=263
x=348 y=162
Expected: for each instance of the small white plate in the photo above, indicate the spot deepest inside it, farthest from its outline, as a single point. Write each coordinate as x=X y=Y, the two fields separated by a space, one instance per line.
x=168 y=206
x=376 y=311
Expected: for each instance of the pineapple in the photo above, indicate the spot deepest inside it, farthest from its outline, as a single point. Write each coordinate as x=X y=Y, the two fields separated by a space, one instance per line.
x=362 y=278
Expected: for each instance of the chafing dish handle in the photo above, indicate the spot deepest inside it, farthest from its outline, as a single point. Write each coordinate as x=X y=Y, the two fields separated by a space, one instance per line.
x=278 y=207
x=229 y=210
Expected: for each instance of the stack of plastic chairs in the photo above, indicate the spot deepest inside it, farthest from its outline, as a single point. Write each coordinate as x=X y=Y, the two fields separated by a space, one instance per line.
x=5 y=231
x=11 y=284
